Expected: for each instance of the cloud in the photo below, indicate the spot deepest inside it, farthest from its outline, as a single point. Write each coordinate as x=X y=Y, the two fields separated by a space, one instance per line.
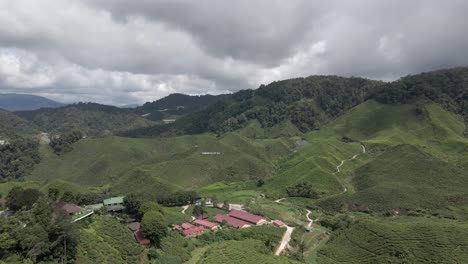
x=118 y=52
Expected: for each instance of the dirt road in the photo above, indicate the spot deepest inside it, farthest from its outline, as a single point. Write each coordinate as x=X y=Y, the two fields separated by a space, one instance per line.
x=285 y=240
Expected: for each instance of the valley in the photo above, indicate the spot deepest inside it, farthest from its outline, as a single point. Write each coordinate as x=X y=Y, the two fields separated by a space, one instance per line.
x=371 y=182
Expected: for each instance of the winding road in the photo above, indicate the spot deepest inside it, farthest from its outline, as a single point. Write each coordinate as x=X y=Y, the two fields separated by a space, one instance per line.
x=184 y=208
x=285 y=240
x=342 y=163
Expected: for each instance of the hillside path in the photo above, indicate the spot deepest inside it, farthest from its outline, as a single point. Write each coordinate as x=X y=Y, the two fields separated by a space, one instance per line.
x=184 y=208
x=354 y=157
x=311 y=221
x=285 y=240
x=279 y=200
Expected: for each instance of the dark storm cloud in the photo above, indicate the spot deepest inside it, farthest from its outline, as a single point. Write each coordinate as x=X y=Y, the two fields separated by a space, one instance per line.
x=116 y=51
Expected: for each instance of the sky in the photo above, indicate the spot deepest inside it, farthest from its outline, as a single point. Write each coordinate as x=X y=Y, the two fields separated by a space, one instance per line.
x=123 y=52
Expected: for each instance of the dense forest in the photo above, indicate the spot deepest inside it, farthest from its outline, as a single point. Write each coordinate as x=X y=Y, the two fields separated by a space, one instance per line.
x=89 y=118
x=313 y=101
x=18 y=158
x=177 y=105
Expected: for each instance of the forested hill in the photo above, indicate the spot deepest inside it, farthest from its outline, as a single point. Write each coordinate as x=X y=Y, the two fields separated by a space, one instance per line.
x=176 y=105
x=310 y=102
x=89 y=118
x=13 y=124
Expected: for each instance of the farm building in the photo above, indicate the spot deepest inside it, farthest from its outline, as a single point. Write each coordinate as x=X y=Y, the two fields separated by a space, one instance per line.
x=114 y=204
x=231 y=221
x=278 y=223
x=248 y=217
x=134 y=226
x=206 y=224
x=140 y=238
x=193 y=231
x=187 y=226
x=69 y=208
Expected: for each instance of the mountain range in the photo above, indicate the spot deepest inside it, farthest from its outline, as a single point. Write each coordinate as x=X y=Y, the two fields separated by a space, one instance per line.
x=21 y=102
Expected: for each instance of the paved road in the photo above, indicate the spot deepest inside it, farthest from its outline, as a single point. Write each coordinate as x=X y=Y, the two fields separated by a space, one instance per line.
x=285 y=240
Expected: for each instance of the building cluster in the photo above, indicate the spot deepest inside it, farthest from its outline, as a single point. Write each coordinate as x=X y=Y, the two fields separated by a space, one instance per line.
x=196 y=227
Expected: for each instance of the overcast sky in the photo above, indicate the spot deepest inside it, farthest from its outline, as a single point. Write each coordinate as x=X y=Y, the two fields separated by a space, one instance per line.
x=121 y=51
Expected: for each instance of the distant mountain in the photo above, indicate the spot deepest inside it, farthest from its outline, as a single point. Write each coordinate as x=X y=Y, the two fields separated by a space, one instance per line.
x=90 y=118
x=22 y=102
x=176 y=105
x=129 y=106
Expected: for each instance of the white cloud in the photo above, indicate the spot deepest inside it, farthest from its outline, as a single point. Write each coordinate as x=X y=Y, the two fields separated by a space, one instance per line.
x=115 y=51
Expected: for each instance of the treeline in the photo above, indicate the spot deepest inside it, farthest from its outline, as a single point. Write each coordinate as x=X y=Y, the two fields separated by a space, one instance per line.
x=306 y=102
x=310 y=102
x=64 y=143
x=37 y=232
x=89 y=118
x=18 y=158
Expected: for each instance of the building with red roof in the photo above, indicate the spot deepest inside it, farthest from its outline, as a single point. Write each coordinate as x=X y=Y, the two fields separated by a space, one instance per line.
x=193 y=231
x=69 y=208
x=231 y=221
x=248 y=217
x=278 y=223
x=187 y=226
x=141 y=239
x=206 y=224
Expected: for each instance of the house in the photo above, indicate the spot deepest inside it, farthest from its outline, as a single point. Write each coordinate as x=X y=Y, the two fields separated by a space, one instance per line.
x=94 y=207
x=135 y=226
x=278 y=223
x=140 y=238
x=78 y=213
x=187 y=226
x=231 y=221
x=69 y=208
x=248 y=217
x=114 y=204
x=206 y=224
x=193 y=231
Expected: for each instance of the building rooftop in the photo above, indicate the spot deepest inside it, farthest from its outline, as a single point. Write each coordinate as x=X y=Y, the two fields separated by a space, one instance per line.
x=69 y=208
x=187 y=226
x=234 y=222
x=205 y=223
x=134 y=226
x=194 y=230
x=251 y=218
x=114 y=200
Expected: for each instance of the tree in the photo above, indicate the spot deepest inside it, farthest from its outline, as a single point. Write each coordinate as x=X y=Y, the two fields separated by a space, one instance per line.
x=53 y=193
x=226 y=205
x=149 y=206
x=132 y=203
x=198 y=210
x=260 y=183
x=153 y=226
x=19 y=198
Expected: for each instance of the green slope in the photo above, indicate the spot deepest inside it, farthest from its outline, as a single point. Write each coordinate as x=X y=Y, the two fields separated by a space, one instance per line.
x=398 y=240
x=173 y=163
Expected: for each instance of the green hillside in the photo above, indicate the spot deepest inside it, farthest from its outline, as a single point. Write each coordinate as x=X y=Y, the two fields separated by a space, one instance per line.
x=172 y=163
x=398 y=240
x=13 y=124
x=89 y=118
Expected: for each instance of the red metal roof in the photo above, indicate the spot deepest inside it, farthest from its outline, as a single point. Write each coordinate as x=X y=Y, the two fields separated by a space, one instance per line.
x=194 y=230
x=140 y=238
x=187 y=226
x=234 y=222
x=251 y=218
x=204 y=223
x=69 y=208
x=278 y=223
